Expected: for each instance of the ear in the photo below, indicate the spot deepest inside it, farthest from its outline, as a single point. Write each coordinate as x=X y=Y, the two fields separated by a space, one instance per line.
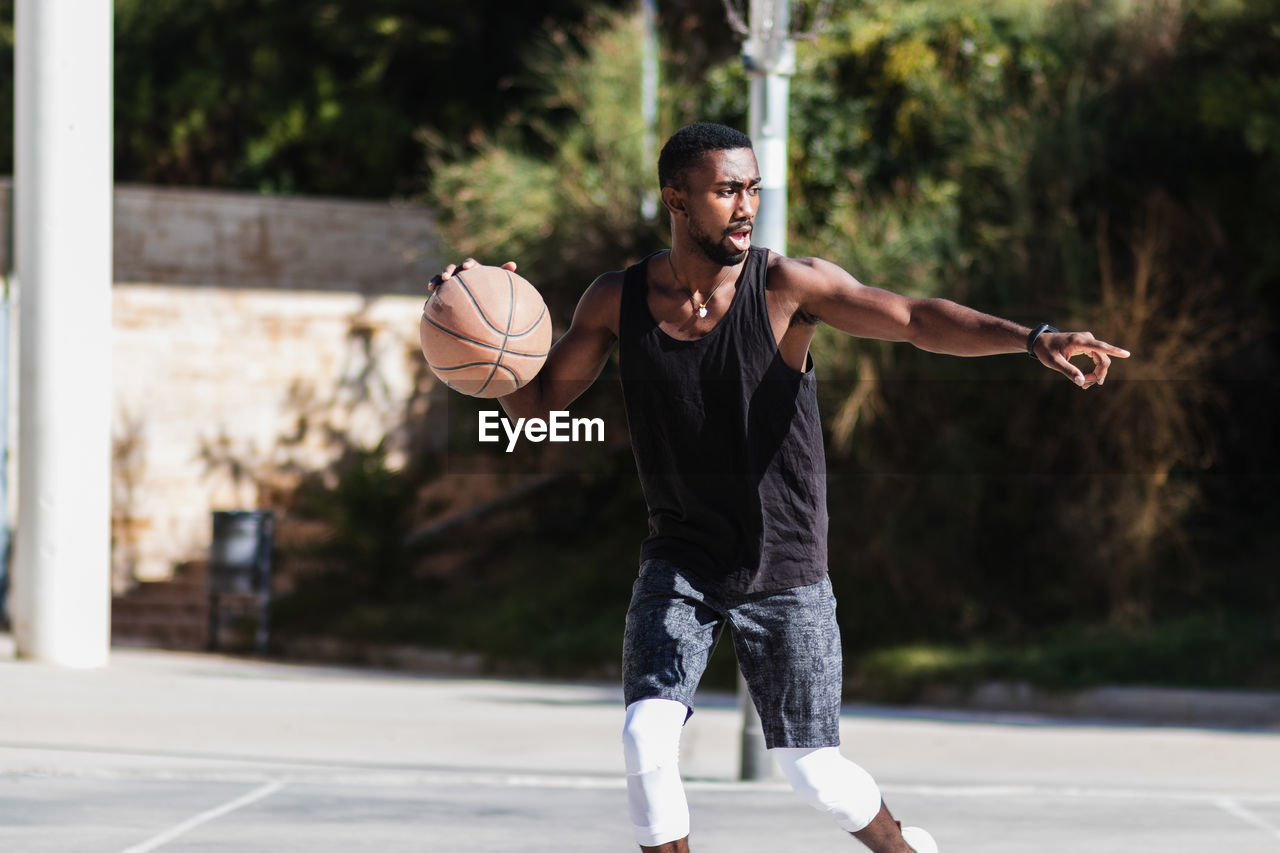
x=673 y=200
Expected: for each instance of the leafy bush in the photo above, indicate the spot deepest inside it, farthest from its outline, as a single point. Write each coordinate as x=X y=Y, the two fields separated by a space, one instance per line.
x=1106 y=165
x=569 y=205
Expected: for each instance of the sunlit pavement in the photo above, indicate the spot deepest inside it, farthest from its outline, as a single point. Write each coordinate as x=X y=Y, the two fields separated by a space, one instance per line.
x=172 y=751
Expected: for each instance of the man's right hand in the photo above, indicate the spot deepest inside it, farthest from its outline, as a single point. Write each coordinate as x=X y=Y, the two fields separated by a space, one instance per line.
x=447 y=273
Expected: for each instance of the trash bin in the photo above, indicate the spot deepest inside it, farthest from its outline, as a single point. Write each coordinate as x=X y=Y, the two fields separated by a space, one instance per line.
x=240 y=568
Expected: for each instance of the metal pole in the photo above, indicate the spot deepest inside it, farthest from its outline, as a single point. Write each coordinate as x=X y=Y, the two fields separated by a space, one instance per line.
x=770 y=59
x=769 y=56
x=62 y=553
x=649 y=102
x=6 y=531
x=755 y=763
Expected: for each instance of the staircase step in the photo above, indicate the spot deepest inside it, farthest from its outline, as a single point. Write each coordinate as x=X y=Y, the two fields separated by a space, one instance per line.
x=185 y=637
x=171 y=614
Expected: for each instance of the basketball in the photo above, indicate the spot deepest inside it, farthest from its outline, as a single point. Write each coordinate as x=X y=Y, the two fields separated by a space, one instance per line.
x=485 y=332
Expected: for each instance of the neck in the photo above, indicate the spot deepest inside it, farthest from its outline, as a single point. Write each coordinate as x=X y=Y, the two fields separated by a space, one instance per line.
x=699 y=306
x=694 y=272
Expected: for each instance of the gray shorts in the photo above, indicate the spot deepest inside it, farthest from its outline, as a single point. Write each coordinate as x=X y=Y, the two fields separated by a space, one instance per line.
x=787 y=642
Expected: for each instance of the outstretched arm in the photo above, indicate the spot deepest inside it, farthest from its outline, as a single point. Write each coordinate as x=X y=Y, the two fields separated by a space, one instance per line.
x=575 y=361
x=825 y=291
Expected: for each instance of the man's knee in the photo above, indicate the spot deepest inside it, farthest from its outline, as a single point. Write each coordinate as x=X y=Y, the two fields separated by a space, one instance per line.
x=651 y=749
x=651 y=733
x=829 y=782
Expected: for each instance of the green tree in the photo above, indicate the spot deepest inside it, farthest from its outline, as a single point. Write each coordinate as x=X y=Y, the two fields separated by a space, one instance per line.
x=1085 y=161
x=562 y=198
x=7 y=103
x=312 y=96
x=1098 y=163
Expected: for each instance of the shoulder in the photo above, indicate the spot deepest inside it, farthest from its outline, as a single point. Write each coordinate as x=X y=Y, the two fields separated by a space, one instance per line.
x=798 y=284
x=606 y=289
x=601 y=303
x=802 y=275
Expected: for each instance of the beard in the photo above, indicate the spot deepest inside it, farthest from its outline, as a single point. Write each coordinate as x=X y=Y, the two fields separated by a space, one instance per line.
x=719 y=251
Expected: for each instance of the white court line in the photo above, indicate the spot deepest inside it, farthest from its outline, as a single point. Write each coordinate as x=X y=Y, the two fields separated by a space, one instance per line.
x=1232 y=807
x=1081 y=792
x=204 y=817
x=524 y=779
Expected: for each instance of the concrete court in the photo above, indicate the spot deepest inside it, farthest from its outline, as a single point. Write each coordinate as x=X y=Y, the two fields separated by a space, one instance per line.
x=186 y=752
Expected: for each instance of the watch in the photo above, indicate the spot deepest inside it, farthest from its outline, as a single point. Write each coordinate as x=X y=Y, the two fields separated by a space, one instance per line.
x=1035 y=334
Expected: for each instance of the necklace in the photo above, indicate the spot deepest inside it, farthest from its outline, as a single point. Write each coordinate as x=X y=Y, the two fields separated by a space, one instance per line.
x=701 y=309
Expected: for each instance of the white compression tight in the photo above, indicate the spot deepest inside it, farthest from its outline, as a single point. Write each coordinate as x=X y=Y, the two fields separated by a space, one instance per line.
x=659 y=811
x=651 y=747
x=831 y=783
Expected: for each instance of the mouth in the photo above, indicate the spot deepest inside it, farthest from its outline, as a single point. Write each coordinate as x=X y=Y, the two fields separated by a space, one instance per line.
x=740 y=238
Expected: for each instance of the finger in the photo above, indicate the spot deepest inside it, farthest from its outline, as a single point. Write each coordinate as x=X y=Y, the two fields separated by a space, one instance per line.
x=1101 y=364
x=438 y=279
x=1112 y=350
x=1081 y=342
x=1087 y=342
x=1068 y=369
x=447 y=273
x=509 y=266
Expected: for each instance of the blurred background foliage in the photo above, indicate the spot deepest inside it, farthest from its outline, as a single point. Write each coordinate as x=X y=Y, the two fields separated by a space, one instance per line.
x=1103 y=164
x=1107 y=165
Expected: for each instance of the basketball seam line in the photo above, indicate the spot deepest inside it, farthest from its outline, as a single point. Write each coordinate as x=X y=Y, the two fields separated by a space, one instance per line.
x=475 y=364
x=471 y=340
x=506 y=333
x=484 y=318
x=533 y=328
x=514 y=376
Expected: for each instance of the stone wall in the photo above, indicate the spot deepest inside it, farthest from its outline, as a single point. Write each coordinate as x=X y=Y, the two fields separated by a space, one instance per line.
x=273 y=243
x=219 y=390
x=253 y=336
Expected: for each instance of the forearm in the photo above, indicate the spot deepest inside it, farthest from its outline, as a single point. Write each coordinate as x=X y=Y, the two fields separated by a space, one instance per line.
x=943 y=326
x=535 y=399
x=829 y=293
x=574 y=364
x=524 y=402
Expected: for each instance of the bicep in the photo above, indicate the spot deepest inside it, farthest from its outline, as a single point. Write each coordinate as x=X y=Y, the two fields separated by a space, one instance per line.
x=576 y=359
x=575 y=362
x=838 y=299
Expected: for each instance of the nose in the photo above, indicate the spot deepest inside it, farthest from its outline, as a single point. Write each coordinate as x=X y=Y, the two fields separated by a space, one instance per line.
x=748 y=202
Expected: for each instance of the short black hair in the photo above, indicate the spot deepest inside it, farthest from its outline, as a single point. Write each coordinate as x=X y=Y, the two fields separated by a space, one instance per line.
x=688 y=144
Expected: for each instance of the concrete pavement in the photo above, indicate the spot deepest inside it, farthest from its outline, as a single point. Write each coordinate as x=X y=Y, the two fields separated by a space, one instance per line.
x=171 y=751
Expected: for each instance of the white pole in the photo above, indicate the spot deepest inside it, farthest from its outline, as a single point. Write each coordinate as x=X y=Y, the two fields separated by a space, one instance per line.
x=649 y=101
x=62 y=578
x=769 y=56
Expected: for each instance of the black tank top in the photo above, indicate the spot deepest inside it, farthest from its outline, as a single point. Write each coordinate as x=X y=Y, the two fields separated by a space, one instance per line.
x=727 y=441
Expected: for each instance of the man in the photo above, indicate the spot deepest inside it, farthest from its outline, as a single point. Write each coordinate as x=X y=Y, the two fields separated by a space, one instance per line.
x=713 y=338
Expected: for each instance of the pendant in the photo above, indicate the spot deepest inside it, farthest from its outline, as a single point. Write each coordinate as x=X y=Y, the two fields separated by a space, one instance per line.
x=702 y=311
